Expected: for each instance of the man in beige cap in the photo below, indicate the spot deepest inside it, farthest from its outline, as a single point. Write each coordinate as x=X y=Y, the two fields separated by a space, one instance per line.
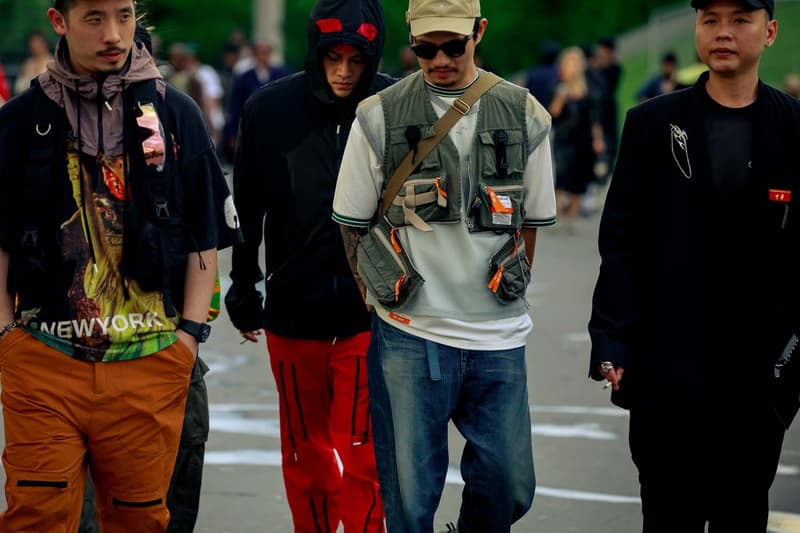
x=446 y=270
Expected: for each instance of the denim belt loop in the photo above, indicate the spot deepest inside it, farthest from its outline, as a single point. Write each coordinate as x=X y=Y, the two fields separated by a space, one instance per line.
x=433 y=360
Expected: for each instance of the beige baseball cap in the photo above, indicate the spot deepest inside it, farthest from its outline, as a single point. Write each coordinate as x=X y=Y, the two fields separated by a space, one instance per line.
x=457 y=16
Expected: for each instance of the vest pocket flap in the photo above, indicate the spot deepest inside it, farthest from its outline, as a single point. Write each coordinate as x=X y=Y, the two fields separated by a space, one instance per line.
x=419 y=200
x=514 y=137
x=385 y=268
x=509 y=271
x=400 y=145
x=499 y=207
x=502 y=154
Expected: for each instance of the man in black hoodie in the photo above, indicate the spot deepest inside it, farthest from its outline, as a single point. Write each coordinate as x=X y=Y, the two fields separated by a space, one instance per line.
x=291 y=139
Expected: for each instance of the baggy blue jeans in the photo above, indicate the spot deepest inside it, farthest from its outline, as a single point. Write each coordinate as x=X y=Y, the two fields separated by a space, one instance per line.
x=416 y=387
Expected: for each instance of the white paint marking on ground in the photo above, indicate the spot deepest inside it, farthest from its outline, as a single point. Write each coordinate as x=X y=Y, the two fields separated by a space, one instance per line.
x=580 y=431
x=788 y=470
x=244 y=457
x=227 y=418
x=579 y=410
x=577 y=338
x=261 y=427
x=243 y=408
x=454 y=478
x=783 y=523
x=219 y=363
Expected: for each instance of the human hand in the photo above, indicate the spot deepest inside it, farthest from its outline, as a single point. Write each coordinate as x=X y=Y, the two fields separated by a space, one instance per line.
x=612 y=374
x=189 y=341
x=251 y=336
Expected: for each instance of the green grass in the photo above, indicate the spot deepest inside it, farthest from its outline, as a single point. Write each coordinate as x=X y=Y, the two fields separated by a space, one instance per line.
x=778 y=61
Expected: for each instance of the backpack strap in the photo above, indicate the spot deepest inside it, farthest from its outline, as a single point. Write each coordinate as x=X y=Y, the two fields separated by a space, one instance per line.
x=47 y=142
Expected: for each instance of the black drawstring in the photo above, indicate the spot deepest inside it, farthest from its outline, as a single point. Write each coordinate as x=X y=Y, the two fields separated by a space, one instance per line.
x=126 y=181
x=82 y=178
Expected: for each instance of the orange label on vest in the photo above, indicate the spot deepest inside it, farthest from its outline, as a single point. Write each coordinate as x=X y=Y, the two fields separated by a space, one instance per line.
x=399 y=318
x=778 y=195
x=500 y=204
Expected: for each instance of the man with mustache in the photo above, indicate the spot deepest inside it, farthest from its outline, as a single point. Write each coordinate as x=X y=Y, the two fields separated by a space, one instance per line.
x=695 y=315
x=465 y=222
x=112 y=211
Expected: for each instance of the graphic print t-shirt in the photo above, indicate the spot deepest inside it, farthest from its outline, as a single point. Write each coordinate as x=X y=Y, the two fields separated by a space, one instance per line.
x=97 y=315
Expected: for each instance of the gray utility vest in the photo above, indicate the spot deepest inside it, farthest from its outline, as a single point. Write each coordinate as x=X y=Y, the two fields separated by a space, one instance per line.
x=433 y=193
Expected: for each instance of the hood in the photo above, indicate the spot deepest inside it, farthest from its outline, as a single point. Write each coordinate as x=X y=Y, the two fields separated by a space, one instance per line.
x=70 y=90
x=355 y=22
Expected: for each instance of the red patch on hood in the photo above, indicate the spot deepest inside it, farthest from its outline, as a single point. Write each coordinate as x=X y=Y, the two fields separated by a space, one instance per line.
x=368 y=31
x=329 y=25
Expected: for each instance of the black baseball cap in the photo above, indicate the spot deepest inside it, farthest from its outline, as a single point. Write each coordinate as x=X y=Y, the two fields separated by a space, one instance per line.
x=769 y=5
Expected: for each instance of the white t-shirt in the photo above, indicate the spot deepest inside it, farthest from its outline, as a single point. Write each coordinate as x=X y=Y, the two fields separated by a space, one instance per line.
x=453 y=261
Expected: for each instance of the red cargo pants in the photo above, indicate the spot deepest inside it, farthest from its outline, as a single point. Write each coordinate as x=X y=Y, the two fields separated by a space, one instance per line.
x=324 y=406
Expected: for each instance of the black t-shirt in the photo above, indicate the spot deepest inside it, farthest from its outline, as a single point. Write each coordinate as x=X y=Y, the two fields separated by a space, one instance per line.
x=729 y=134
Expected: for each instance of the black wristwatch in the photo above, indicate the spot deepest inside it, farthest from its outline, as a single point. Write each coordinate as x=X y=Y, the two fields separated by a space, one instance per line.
x=198 y=330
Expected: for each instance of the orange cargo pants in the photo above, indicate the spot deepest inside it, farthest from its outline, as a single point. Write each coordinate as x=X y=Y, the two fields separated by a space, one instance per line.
x=121 y=420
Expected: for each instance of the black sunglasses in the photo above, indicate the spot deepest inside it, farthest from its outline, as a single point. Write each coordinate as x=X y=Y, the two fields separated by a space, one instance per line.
x=454 y=48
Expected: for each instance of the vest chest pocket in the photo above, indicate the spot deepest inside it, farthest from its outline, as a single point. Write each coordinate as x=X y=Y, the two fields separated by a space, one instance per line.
x=501 y=158
x=420 y=200
x=509 y=271
x=423 y=197
x=385 y=267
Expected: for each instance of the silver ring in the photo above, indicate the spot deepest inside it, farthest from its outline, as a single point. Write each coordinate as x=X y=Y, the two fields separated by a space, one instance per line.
x=606 y=366
x=43 y=133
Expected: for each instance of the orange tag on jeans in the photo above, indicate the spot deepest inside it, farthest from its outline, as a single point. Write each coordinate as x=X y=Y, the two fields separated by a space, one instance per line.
x=400 y=318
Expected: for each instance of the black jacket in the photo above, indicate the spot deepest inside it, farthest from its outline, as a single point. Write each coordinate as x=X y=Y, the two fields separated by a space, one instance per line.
x=291 y=142
x=697 y=299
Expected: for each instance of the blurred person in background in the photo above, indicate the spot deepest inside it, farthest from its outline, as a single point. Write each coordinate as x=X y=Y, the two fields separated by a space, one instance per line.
x=605 y=66
x=246 y=84
x=664 y=82
x=791 y=85
x=577 y=133
x=408 y=61
x=542 y=79
x=36 y=63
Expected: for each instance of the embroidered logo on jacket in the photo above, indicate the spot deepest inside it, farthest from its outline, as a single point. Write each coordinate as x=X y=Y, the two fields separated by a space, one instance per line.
x=680 y=150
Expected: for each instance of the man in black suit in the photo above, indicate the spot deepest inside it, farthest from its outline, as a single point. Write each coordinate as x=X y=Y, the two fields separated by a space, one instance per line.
x=695 y=312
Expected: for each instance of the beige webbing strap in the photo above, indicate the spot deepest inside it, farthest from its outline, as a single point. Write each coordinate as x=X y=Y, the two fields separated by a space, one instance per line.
x=459 y=108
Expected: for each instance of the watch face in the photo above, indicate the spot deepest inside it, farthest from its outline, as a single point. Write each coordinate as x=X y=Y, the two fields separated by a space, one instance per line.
x=203 y=334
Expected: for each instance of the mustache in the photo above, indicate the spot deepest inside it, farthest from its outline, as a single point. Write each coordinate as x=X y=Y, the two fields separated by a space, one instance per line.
x=112 y=50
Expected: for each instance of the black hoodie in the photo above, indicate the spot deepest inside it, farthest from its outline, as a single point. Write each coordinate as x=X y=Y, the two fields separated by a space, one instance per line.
x=292 y=136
